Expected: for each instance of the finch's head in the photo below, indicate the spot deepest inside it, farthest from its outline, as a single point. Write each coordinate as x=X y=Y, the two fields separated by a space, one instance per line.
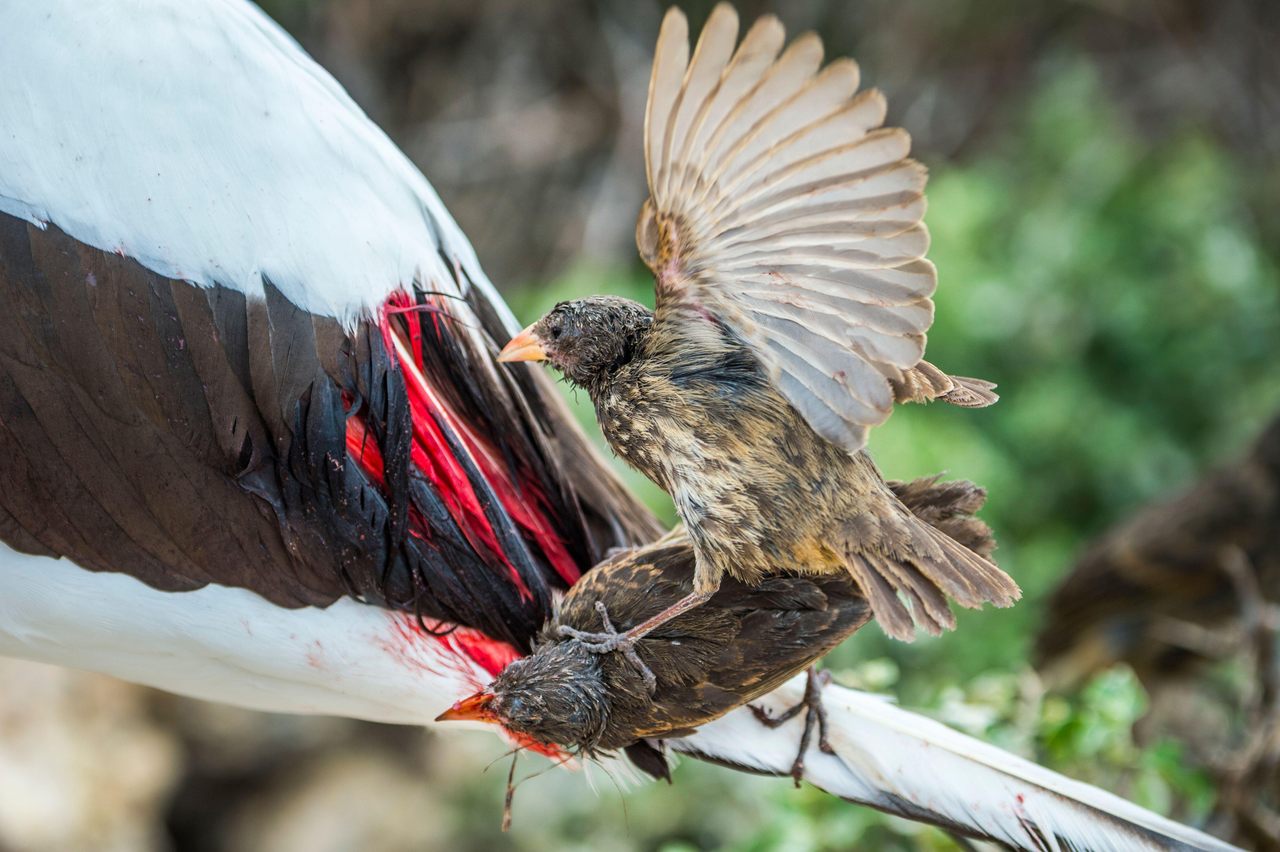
x=556 y=696
x=586 y=339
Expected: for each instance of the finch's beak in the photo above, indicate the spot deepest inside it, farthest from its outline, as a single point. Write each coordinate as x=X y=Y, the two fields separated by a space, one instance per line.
x=523 y=347
x=477 y=708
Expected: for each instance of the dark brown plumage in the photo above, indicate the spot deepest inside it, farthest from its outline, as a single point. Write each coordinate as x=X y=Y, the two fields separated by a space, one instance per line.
x=742 y=643
x=784 y=233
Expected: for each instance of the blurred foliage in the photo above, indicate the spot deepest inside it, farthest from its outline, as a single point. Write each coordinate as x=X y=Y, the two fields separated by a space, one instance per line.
x=1121 y=294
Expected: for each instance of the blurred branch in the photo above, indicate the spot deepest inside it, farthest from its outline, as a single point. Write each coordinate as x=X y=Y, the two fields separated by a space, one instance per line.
x=1182 y=582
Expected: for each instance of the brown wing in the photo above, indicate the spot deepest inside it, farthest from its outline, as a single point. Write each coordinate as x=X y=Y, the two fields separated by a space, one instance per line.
x=743 y=643
x=781 y=206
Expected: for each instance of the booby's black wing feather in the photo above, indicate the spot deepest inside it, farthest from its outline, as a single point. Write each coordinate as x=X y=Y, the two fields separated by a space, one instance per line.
x=189 y=436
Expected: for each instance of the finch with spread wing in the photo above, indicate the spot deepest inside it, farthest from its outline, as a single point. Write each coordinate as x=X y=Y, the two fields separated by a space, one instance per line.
x=784 y=233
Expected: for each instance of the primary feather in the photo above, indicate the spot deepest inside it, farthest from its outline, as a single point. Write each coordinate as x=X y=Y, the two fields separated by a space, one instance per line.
x=912 y=766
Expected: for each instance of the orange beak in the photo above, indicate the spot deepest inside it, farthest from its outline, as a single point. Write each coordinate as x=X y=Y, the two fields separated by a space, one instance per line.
x=523 y=347
x=477 y=708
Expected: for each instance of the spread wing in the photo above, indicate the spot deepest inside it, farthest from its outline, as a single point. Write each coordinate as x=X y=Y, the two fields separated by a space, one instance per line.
x=780 y=206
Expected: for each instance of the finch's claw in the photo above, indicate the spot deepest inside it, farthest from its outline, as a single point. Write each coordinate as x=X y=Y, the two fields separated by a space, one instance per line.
x=814 y=714
x=611 y=640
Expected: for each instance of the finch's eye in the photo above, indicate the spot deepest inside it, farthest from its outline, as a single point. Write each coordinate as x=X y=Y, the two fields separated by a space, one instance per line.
x=556 y=331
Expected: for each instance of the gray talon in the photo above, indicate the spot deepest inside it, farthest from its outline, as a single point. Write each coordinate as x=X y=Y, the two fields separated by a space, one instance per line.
x=610 y=640
x=815 y=715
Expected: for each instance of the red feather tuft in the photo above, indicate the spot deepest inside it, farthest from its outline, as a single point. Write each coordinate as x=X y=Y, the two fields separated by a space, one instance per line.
x=439 y=433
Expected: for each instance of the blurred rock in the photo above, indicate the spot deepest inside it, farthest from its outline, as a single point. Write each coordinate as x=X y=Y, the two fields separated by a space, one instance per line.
x=83 y=766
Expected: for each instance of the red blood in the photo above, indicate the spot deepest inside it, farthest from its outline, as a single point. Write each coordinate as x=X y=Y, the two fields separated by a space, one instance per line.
x=433 y=419
x=491 y=655
x=522 y=504
x=364 y=450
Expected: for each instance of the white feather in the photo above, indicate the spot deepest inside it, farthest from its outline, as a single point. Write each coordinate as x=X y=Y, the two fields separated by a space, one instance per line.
x=904 y=763
x=358 y=661
x=230 y=645
x=198 y=138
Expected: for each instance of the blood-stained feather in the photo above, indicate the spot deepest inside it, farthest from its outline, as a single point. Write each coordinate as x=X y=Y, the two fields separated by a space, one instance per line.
x=190 y=436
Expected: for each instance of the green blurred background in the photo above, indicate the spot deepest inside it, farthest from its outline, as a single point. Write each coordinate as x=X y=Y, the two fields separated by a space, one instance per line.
x=1121 y=288
x=1105 y=207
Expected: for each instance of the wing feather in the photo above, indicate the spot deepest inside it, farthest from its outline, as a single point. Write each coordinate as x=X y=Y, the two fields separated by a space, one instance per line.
x=869 y=191
x=797 y=359
x=778 y=84
x=823 y=94
x=858 y=159
x=781 y=206
x=759 y=48
x=670 y=59
x=896 y=319
x=714 y=50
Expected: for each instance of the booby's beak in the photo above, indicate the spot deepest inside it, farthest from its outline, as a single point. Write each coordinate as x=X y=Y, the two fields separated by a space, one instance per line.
x=477 y=708
x=523 y=347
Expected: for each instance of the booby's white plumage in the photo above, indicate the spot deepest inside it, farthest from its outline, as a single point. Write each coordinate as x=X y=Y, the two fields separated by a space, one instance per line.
x=199 y=139
x=353 y=660
x=230 y=645
x=899 y=761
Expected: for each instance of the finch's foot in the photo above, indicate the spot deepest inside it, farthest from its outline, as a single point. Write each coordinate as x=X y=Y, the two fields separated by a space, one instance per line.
x=611 y=640
x=814 y=713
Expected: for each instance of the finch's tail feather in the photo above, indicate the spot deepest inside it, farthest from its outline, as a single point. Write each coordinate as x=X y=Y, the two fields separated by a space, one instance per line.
x=949 y=507
x=925 y=383
x=939 y=551
x=971 y=393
